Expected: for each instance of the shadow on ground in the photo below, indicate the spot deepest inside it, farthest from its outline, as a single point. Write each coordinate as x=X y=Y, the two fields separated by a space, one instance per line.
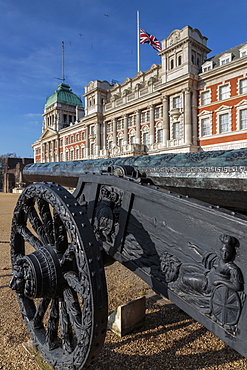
x=170 y=340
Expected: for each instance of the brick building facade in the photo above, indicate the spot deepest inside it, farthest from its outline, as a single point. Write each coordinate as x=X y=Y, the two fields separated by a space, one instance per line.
x=188 y=103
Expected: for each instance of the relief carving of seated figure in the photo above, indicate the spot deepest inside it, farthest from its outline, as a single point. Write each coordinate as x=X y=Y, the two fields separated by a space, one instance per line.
x=213 y=270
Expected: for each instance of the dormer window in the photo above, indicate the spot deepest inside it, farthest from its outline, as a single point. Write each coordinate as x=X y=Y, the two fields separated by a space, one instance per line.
x=226 y=58
x=243 y=51
x=207 y=66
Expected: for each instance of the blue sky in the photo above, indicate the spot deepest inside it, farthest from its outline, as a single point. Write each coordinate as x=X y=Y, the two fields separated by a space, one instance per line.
x=31 y=34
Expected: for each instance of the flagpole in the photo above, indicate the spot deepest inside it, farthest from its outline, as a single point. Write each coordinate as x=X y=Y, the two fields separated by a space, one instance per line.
x=63 y=79
x=138 y=41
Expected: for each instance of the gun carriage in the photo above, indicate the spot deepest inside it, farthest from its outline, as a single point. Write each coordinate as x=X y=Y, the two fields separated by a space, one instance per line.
x=177 y=220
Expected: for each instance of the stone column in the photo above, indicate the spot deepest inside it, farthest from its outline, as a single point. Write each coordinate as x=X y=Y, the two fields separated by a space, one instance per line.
x=46 y=152
x=166 y=128
x=187 y=117
x=77 y=113
x=41 y=151
x=97 y=141
x=58 y=150
x=104 y=135
x=152 y=138
x=138 y=126
x=114 y=129
x=194 y=118
x=53 y=150
x=87 y=142
x=125 y=138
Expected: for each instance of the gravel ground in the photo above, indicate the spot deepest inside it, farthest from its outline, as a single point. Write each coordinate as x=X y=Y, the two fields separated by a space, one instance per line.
x=169 y=340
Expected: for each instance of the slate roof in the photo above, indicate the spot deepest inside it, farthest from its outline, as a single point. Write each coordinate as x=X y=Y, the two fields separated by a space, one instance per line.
x=234 y=51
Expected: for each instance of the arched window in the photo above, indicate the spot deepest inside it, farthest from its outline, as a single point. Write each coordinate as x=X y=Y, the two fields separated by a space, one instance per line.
x=172 y=64
x=179 y=60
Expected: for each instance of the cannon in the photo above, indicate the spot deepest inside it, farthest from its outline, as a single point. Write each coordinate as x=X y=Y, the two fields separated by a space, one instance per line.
x=178 y=221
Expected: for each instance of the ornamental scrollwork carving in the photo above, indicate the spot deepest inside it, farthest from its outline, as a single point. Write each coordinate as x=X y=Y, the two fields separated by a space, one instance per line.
x=107 y=213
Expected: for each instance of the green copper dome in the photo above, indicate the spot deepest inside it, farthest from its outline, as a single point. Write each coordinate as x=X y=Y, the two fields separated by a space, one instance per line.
x=64 y=94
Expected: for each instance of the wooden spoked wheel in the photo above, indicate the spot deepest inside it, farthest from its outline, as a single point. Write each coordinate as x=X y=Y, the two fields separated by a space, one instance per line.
x=58 y=276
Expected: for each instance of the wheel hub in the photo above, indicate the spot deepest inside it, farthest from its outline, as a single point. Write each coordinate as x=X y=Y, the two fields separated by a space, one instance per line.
x=38 y=274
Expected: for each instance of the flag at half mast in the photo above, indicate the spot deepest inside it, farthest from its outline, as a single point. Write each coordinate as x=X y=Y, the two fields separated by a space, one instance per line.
x=146 y=38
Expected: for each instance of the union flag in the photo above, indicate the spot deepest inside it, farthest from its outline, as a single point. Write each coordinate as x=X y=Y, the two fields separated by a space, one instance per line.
x=146 y=38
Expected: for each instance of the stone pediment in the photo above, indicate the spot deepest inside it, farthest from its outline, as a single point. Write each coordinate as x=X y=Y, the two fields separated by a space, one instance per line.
x=48 y=134
x=242 y=103
x=174 y=37
x=223 y=108
x=204 y=113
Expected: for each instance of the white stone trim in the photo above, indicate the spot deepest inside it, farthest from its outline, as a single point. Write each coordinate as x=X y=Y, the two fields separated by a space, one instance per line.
x=243 y=50
x=159 y=125
x=207 y=66
x=210 y=97
x=224 y=109
x=205 y=115
x=172 y=97
x=226 y=146
x=238 y=84
x=240 y=106
x=225 y=58
x=218 y=91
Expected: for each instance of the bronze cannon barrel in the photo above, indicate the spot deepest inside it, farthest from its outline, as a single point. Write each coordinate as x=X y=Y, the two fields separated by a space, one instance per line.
x=217 y=177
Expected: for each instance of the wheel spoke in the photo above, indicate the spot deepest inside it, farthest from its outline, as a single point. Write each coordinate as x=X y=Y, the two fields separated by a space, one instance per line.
x=53 y=321
x=45 y=214
x=61 y=239
x=55 y=283
x=17 y=245
x=65 y=327
x=29 y=237
x=36 y=223
x=39 y=315
x=74 y=283
x=73 y=309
